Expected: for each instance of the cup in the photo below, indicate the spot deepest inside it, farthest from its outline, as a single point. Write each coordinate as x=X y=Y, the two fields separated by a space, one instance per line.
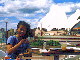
x=63 y=46
x=30 y=39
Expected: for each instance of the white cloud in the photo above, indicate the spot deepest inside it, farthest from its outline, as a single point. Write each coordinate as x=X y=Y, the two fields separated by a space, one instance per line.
x=1 y=20
x=12 y=25
x=39 y=3
x=2 y=25
x=20 y=6
x=33 y=22
x=2 y=1
x=56 y=17
x=78 y=4
x=69 y=7
x=17 y=8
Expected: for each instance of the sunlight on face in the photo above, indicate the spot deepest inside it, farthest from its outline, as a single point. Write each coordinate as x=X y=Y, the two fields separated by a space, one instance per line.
x=21 y=30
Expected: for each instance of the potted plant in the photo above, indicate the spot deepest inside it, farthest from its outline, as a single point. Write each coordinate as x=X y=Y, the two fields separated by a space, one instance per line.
x=53 y=44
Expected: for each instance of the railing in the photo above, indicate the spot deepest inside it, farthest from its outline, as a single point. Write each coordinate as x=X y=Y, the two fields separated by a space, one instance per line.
x=59 y=38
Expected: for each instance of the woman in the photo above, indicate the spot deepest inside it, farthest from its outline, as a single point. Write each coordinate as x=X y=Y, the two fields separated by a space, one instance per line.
x=19 y=43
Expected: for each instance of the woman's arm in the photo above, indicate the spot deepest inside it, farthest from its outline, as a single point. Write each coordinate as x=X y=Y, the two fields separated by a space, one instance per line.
x=11 y=48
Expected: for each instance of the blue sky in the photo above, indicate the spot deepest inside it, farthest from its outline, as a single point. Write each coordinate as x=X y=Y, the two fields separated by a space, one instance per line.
x=35 y=11
x=66 y=1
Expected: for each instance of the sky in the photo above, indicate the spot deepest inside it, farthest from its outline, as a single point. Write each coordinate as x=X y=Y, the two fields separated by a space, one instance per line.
x=48 y=13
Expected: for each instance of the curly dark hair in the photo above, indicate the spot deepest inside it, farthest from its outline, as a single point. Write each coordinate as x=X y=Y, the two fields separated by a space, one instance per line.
x=27 y=27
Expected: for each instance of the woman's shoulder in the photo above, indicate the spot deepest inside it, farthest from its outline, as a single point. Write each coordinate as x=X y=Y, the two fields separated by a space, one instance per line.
x=11 y=40
x=12 y=37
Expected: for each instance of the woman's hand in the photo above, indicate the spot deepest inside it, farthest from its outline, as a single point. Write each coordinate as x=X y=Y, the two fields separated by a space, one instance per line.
x=24 y=41
x=11 y=48
x=27 y=41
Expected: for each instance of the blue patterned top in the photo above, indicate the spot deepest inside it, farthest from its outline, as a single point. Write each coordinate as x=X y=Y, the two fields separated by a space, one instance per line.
x=21 y=49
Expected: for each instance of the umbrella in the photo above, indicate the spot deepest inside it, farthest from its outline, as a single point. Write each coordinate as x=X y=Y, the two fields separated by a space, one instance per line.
x=77 y=28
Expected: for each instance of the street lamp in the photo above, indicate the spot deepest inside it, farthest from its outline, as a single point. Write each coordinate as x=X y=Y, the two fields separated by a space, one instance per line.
x=6 y=25
x=40 y=23
x=41 y=29
x=6 y=28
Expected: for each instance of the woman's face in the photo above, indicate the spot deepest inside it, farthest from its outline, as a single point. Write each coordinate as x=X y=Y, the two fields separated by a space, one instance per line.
x=21 y=30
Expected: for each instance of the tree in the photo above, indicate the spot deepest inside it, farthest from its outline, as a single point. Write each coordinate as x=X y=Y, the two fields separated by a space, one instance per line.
x=54 y=29
x=44 y=29
x=78 y=18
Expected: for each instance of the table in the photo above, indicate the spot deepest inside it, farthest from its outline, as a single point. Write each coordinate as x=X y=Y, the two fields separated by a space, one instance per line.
x=55 y=53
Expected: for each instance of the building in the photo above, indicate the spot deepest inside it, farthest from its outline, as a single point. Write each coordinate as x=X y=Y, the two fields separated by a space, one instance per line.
x=11 y=32
x=52 y=33
x=39 y=32
x=2 y=29
x=2 y=34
